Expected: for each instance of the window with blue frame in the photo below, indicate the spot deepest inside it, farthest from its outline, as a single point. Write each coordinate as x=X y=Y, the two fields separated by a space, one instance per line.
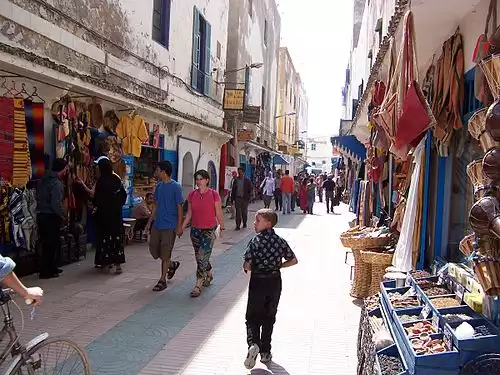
x=161 y=22
x=200 y=71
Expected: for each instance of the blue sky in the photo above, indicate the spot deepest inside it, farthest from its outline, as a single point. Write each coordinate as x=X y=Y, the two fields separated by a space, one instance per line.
x=318 y=36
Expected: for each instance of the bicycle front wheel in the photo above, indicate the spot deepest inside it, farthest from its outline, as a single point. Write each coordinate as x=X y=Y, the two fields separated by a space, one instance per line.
x=54 y=356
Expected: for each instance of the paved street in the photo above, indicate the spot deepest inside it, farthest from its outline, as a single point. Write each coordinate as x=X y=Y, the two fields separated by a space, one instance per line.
x=128 y=330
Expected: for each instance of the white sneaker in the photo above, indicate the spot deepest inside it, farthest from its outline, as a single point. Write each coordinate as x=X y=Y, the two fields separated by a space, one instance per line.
x=253 y=352
x=266 y=357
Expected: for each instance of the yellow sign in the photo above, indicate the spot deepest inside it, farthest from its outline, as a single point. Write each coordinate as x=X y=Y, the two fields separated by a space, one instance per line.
x=234 y=99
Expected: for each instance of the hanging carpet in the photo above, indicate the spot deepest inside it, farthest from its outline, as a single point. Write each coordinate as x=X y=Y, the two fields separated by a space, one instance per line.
x=34 y=128
x=6 y=138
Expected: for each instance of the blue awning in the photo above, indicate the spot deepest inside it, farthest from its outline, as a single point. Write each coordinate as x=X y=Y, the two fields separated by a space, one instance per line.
x=279 y=160
x=349 y=145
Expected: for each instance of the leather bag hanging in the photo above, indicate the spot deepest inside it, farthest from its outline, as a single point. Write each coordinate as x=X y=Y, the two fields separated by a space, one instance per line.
x=386 y=116
x=416 y=115
x=482 y=91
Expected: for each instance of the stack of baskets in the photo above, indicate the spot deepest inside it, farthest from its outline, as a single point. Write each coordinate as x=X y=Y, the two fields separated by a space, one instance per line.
x=369 y=264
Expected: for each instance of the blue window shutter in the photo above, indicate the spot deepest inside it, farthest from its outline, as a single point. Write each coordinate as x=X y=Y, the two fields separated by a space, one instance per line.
x=208 y=73
x=166 y=22
x=196 y=49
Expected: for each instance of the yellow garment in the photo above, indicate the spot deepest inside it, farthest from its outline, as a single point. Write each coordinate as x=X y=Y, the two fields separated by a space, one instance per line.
x=131 y=130
x=21 y=172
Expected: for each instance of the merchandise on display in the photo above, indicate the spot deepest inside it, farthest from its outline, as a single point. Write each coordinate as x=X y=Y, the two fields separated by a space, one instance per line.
x=425 y=345
x=372 y=302
x=408 y=318
x=420 y=327
x=398 y=301
x=441 y=302
x=436 y=291
x=454 y=318
x=390 y=365
x=420 y=274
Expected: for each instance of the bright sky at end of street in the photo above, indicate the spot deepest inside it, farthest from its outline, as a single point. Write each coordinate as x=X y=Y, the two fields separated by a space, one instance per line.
x=318 y=35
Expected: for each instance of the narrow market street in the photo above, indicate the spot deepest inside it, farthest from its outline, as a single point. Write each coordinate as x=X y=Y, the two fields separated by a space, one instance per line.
x=127 y=329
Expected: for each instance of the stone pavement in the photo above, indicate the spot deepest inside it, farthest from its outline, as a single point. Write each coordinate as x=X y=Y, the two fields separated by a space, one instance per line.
x=129 y=330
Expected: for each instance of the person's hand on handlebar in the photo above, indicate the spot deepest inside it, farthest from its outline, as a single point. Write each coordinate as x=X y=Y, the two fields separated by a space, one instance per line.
x=33 y=295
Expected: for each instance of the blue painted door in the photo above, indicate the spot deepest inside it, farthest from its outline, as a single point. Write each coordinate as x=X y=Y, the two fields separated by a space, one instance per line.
x=172 y=157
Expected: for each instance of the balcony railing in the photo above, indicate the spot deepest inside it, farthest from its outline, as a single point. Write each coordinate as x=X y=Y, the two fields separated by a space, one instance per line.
x=204 y=84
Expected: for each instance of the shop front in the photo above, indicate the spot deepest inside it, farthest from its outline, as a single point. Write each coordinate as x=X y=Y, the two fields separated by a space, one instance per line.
x=50 y=115
x=426 y=249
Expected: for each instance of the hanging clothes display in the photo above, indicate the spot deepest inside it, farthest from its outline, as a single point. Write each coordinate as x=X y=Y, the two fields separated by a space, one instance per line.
x=403 y=256
x=35 y=130
x=6 y=137
x=21 y=172
x=131 y=131
x=4 y=214
x=22 y=207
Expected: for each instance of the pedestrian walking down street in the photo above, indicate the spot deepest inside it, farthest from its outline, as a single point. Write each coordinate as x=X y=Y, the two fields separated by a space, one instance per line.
x=241 y=193
x=50 y=217
x=295 y=194
x=267 y=187
x=311 y=196
x=166 y=220
x=319 y=187
x=304 y=196
x=109 y=198
x=329 y=188
x=205 y=214
x=287 y=186
x=264 y=260
x=278 y=198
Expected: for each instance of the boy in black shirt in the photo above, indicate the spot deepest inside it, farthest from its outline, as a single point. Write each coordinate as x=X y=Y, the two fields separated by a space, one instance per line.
x=264 y=258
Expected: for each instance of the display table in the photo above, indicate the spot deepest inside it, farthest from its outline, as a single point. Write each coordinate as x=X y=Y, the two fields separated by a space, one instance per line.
x=366 y=346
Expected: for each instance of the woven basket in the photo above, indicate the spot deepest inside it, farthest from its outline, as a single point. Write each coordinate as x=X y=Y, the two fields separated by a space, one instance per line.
x=379 y=261
x=374 y=257
x=488 y=274
x=370 y=242
x=362 y=276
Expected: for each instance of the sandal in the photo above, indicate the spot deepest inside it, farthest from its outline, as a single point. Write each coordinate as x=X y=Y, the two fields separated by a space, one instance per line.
x=171 y=271
x=208 y=280
x=196 y=292
x=160 y=285
x=119 y=270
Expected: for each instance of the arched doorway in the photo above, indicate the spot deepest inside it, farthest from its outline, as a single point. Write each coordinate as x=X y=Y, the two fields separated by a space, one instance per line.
x=213 y=175
x=187 y=174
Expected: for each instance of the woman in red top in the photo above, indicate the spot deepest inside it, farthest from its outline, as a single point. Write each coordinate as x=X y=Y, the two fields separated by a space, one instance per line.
x=303 y=196
x=205 y=213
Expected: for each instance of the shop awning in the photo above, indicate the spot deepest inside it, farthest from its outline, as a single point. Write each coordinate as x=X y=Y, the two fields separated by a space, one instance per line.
x=279 y=160
x=350 y=146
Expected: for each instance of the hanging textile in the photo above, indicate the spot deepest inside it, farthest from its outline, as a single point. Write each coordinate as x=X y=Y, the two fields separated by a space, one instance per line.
x=402 y=259
x=21 y=172
x=417 y=229
x=35 y=130
x=4 y=214
x=22 y=207
x=6 y=138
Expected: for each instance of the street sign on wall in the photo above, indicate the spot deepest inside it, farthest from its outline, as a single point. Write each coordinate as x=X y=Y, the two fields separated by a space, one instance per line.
x=245 y=135
x=234 y=99
x=251 y=114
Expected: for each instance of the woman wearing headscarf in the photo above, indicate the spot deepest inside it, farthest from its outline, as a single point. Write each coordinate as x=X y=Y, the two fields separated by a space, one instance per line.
x=109 y=198
x=267 y=187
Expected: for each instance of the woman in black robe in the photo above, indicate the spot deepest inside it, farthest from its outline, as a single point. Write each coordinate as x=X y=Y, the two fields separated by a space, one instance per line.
x=109 y=198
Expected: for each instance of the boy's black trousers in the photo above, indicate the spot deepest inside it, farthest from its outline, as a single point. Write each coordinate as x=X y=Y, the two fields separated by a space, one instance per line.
x=264 y=294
